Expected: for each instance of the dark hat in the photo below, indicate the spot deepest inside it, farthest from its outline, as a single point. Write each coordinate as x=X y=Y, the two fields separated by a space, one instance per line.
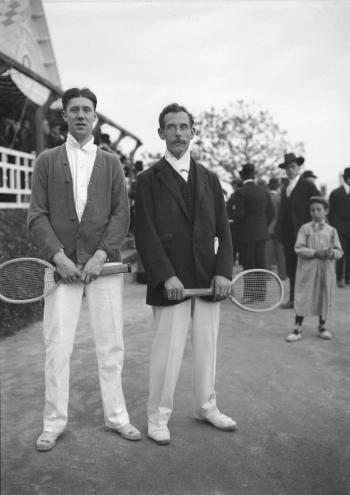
x=308 y=174
x=274 y=183
x=248 y=170
x=318 y=199
x=105 y=138
x=346 y=174
x=290 y=158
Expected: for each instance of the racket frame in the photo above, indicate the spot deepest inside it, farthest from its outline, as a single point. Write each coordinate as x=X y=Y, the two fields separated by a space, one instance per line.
x=108 y=269
x=210 y=291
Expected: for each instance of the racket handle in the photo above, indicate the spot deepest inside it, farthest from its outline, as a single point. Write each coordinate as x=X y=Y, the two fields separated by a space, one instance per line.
x=112 y=268
x=198 y=292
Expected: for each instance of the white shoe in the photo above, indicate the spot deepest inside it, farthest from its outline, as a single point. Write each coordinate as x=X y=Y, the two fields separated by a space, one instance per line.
x=159 y=434
x=47 y=440
x=221 y=422
x=325 y=334
x=129 y=432
x=293 y=337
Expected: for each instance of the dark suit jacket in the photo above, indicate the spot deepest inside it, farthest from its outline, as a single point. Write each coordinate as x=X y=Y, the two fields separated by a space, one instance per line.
x=339 y=211
x=52 y=217
x=168 y=242
x=294 y=211
x=253 y=212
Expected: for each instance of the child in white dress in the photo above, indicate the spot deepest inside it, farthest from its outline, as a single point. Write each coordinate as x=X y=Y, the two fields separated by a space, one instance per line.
x=317 y=247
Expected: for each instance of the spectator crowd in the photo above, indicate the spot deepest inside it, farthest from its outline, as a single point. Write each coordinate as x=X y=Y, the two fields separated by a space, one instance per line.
x=274 y=225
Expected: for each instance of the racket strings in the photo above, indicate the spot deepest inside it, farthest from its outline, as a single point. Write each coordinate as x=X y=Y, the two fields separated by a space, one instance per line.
x=257 y=290
x=25 y=280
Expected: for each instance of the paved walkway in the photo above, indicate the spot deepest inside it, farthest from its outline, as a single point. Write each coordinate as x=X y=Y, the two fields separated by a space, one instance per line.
x=291 y=401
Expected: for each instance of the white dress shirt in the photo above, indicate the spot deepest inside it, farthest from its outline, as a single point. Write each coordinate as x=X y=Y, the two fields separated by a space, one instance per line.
x=291 y=185
x=347 y=188
x=181 y=165
x=81 y=162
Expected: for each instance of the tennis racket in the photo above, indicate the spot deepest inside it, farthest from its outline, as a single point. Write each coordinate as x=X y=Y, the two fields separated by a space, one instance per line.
x=27 y=280
x=254 y=290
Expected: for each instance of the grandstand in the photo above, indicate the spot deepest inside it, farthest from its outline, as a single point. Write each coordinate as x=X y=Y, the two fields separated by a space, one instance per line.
x=30 y=92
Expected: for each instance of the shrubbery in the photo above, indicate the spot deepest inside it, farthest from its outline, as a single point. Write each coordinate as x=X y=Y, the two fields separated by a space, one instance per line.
x=16 y=242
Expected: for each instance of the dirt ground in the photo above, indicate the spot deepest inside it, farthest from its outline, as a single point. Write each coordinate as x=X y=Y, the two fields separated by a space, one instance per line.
x=291 y=402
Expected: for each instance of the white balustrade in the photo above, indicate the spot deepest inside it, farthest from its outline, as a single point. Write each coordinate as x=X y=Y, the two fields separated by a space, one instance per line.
x=16 y=169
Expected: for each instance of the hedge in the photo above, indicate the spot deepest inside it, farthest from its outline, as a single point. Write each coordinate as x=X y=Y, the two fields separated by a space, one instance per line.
x=16 y=242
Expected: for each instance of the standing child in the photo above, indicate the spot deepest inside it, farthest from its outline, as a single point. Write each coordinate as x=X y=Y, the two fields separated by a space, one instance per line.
x=317 y=246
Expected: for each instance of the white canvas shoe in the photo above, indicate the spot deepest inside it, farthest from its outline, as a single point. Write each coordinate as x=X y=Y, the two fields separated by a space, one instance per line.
x=159 y=434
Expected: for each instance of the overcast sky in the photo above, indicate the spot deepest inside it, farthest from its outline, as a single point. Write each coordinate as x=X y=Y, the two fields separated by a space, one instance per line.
x=290 y=57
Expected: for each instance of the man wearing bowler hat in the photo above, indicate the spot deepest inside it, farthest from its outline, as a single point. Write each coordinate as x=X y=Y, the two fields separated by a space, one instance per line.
x=293 y=213
x=253 y=213
x=339 y=217
x=309 y=175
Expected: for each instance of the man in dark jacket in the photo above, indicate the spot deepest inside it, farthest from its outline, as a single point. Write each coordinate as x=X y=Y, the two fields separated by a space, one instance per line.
x=339 y=217
x=253 y=213
x=274 y=249
x=231 y=208
x=184 y=241
x=294 y=211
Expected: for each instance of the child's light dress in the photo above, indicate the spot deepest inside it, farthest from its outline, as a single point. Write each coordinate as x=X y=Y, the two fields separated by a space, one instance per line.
x=315 y=278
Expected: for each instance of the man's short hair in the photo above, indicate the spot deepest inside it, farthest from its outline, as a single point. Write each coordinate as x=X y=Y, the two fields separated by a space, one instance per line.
x=274 y=183
x=174 y=108
x=76 y=93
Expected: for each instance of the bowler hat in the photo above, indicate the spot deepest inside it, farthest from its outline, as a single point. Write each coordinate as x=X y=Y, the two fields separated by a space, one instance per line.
x=308 y=174
x=248 y=170
x=291 y=158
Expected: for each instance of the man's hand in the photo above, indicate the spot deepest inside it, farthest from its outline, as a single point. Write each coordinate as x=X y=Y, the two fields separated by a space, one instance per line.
x=67 y=270
x=174 y=289
x=93 y=267
x=321 y=254
x=221 y=286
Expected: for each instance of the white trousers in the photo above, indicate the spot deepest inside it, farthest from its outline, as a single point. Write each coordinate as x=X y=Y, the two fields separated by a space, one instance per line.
x=61 y=315
x=172 y=324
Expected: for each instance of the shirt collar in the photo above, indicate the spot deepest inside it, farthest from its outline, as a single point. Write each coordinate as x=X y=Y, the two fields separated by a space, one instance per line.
x=295 y=180
x=248 y=180
x=182 y=163
x=319 y=225
x=73 y=143
x=347 y=188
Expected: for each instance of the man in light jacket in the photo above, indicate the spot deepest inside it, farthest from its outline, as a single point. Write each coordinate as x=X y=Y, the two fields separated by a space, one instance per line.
x=79 y=216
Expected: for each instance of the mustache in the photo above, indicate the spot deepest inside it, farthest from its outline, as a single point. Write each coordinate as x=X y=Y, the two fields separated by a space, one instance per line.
x=179 y=141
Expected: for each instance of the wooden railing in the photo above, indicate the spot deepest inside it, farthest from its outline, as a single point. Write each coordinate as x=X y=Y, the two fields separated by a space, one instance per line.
x=16 y=169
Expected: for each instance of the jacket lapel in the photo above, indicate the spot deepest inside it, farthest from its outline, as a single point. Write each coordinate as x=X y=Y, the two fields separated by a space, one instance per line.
x=200 y=187
x=68 y=180
x=165 y=175
x=94 y=173
x=93 y=179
